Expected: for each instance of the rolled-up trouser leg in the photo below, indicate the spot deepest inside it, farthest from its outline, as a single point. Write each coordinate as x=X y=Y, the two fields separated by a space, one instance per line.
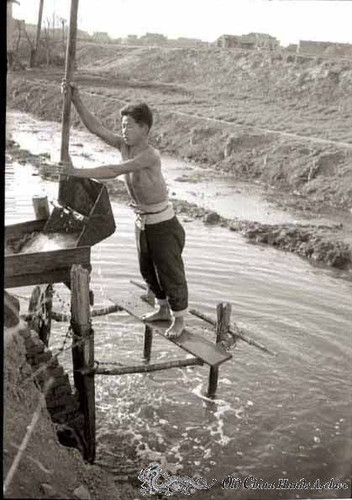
x=146 y=265
x=165 y=241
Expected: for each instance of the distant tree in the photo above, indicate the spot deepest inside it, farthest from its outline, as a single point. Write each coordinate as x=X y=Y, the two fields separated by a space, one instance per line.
x=34 y=49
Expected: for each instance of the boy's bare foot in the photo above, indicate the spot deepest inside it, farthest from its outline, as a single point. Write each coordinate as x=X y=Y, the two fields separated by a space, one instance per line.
x=161 y=313
x=149 y=298
x=176 y=328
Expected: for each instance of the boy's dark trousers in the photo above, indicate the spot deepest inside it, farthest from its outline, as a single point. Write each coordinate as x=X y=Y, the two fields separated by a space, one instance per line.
x=159 y=252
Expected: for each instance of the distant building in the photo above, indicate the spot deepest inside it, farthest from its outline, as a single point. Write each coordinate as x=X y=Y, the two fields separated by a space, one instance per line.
x=153 y=39
x=250 y=41
x=261 y=41
x=324 y=48
x=101 y=36
x=229 y=41
x=188 y=42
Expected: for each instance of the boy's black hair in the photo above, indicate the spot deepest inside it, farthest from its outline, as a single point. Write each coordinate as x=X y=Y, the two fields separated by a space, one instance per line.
x=140 y=112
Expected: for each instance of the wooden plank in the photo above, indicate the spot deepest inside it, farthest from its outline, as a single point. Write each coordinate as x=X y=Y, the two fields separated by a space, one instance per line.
x=83 y=353
x=41 y=262
x=190 y=342
x=145 y=368
x=57 y=276
x=17 y=230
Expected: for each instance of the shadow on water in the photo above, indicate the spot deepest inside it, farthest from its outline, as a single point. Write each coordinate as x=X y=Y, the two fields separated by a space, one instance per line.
x=274 y=417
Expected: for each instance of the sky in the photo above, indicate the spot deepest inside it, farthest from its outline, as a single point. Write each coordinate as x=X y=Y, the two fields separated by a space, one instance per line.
x=287 y=20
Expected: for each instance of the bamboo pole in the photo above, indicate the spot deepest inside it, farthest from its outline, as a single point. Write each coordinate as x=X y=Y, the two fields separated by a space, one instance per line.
x=176 y=363
x=148 y=339
x=83 y=353
x=223 y=311
x=237 y=333
x=70 y=62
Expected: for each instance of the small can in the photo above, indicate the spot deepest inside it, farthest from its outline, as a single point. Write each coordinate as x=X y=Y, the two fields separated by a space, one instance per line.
x=41 y=206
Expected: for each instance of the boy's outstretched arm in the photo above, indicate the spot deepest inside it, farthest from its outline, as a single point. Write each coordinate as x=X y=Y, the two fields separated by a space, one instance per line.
x=89 y=120
x=145 y=159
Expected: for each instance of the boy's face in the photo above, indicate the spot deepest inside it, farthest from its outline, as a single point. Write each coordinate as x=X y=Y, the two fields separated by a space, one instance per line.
x=132 y=132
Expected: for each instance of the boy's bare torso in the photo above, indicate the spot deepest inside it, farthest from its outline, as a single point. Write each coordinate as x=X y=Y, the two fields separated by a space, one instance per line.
x=146 y=186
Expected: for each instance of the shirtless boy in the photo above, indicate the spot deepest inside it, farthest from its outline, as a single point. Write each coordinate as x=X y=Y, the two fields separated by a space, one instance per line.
x=160 y=237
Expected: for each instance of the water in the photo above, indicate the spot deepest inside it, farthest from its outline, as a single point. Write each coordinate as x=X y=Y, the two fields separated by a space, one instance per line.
x=274 y=417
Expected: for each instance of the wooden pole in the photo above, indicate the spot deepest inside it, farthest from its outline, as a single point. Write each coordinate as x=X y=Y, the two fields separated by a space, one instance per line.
x=70 y=62
x=148 y=339
x=223 y=311
x=176 y=363
x=83 y=354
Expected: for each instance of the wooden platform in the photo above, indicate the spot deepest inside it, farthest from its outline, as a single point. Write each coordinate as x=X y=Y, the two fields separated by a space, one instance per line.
x=195 y=344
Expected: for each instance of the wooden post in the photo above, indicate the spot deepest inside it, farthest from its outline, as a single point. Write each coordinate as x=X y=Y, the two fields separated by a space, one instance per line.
x=223 y=311
x=148 y=338
x=83 y=354
x=70 y=62
x=41 y=207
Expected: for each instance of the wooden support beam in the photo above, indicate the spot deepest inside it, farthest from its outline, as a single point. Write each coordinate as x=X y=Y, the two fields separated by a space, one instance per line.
x=148 y=339
x=223 y=311
x=44 y=267
x=83 y=354
x=176 y=363
x=61 y=317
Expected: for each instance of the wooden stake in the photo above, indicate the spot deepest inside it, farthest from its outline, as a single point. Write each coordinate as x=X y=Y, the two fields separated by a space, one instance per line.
x=83 y=354
x=70 y=61
x=237 y=333
x=222 y=327
x=148 y=339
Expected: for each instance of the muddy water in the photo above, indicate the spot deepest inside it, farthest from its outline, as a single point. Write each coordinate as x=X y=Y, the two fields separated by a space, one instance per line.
x=283 y=417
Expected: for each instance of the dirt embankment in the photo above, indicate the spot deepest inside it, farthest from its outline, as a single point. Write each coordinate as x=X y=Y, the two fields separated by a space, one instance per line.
x=272 y=118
